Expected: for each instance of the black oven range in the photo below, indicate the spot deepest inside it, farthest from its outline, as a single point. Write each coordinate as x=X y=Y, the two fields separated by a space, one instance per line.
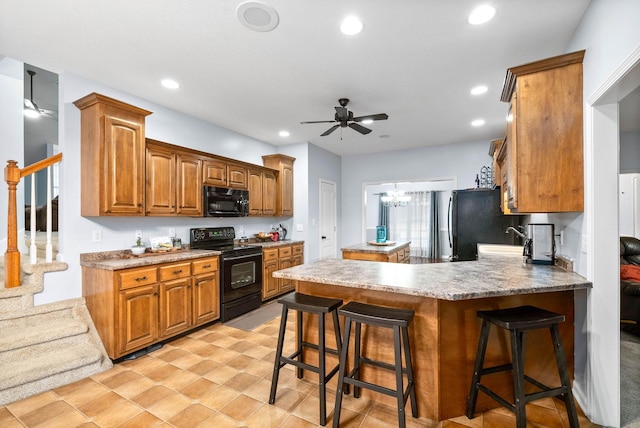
x=240 y=269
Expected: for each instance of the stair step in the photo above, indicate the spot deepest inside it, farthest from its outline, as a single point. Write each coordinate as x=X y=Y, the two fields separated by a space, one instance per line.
x=18 y=338
x=41 y=366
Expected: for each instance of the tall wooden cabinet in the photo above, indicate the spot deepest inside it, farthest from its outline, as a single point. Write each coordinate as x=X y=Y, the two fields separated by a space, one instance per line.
x=542 y=157
x=172 y=181
x=284 y=192
x=111 y=157
x=262 y=191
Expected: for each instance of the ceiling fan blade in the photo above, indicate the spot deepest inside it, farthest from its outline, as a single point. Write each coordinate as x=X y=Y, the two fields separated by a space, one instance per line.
x=341 y=113
x=330 y=130
x=379 y=116
x=361 y=129
x=320 y=121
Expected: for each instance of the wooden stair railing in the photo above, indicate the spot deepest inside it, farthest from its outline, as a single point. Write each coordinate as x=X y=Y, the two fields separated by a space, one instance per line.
x=13 y=175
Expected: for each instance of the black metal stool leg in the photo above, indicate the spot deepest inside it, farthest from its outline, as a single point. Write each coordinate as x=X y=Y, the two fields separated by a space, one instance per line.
x=477 y=369
x=402 y=423
x=563 y=371
x=338 y=336
x=277 y=365
x=299 y=370
x=409 y=367
x=341 y=372
x=356 y=359
x=322 y=388
x=518 y=377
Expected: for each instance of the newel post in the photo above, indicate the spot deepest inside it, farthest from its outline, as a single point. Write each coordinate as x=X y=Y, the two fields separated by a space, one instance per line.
x=12 y=255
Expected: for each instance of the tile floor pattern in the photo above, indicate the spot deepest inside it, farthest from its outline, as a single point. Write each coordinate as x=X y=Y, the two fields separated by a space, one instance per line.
x=220 y=377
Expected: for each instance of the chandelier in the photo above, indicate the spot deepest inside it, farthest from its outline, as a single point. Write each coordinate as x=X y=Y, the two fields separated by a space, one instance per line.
x=395 y=198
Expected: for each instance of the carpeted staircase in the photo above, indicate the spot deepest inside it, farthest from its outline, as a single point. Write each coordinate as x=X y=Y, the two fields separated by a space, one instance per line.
x=45 y=346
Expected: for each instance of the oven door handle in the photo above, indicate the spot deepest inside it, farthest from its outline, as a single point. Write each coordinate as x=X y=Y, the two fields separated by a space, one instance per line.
x=246 y=256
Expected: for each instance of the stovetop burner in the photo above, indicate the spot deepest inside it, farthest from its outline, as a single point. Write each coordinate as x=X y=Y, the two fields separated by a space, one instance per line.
x=220 y=239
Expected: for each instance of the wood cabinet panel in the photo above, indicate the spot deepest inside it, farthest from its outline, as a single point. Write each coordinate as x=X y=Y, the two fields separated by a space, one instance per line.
x=280 y=257
x=189 y=190
x=284 y=186
x=137 y=277
x=138 y=318
x=544 y=153
x=206 y=298
x=111 y=156
x=215 y=173
x=262 y=191
x=237 y=176
x=175 y=307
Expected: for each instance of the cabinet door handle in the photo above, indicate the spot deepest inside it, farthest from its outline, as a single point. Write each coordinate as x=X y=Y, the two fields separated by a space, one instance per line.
x=155 y=293
x=206 y=266
x=141 y=278
x=177 y=272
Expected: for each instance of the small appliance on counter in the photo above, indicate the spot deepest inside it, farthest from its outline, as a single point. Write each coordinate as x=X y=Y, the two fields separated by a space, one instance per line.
x=540 y=247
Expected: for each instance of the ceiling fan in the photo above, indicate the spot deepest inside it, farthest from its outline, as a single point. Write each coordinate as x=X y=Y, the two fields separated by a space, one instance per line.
x=345 y=119
x=31 y=109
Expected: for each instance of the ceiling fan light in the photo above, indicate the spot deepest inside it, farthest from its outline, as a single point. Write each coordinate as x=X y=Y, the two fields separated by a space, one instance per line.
x=351 y=26
x=367 y=121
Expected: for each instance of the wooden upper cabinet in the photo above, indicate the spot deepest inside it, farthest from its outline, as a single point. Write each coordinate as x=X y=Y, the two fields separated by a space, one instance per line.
x=173 y=180
x=111 y=156
x=284 y=191
x=262 y=191
x=222 y=173
x=544 y=142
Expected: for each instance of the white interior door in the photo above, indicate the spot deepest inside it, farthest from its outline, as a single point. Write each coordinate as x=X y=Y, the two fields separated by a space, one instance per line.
x=328 y=220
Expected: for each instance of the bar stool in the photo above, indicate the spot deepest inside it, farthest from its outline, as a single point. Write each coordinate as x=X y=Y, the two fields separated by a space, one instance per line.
x=317 y=306
x=518 y=320
x=396 y=319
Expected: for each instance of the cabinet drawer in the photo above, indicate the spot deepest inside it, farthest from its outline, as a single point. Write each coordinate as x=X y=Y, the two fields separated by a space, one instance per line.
x=137 y=277
x=284 y=252
x=209 y=264
x=297 y=250
x=175 y=271
x=270 y=254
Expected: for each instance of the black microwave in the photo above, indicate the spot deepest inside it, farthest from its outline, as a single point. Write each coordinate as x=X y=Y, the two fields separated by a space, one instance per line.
x=223 y=202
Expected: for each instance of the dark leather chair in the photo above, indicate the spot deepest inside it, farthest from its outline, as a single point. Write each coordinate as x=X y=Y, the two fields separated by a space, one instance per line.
x=630 y=290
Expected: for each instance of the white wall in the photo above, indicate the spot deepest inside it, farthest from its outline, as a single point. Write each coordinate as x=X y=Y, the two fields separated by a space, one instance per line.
x=11 y=135
x=630 y=151
x=459 y=161
x=610 y=35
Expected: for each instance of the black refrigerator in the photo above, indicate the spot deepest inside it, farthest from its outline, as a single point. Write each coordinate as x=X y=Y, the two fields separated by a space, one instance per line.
x=475 y=217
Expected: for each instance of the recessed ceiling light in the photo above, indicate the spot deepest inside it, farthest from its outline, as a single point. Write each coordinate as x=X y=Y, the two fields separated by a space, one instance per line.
x=479 y=90
x=351 y=26
x=257 y=16
x=477 y=122
x=284 y=133
x=170 y=84
x=481 y=14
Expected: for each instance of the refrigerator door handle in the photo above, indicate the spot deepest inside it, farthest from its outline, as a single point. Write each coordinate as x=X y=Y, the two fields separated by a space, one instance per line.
x=449 y=221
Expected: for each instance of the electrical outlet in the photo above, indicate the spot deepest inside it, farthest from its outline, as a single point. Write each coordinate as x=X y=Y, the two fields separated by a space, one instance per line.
x=138 y=234
x=299 y=228
x=96 y=235
x=172 y=231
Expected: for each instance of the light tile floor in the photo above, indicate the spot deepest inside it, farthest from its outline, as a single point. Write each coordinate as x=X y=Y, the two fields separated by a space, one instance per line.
x=220 y=377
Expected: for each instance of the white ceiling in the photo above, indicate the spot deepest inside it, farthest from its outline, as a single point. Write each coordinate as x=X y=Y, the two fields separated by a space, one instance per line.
x=415 y=60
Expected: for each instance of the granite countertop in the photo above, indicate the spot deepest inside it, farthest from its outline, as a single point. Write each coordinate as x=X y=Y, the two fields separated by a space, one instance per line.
x=487 y=277
x=268 y=244
x=116 y=260
x=378 y=249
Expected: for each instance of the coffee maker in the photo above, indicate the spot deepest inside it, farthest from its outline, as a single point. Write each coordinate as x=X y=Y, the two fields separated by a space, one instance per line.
x=540 y=246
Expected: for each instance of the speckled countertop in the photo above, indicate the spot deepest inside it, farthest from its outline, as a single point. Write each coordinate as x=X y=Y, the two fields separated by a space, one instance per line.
x=488 y=277
x=378 y=249
x=123 y=259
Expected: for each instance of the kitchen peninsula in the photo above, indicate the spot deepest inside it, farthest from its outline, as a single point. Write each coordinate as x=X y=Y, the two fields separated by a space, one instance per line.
x=445 y=330
x=393 y=252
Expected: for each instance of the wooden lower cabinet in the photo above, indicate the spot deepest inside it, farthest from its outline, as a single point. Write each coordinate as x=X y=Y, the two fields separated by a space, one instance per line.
x=400 y=255
x=137 y=307
x=277 y=258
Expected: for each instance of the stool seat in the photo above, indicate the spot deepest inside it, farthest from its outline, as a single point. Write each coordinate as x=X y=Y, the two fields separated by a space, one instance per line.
x=310 y=304
x=377 y=315
x=521 y=317
x=317 y=306
x=517 y=321
x=381 y=316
